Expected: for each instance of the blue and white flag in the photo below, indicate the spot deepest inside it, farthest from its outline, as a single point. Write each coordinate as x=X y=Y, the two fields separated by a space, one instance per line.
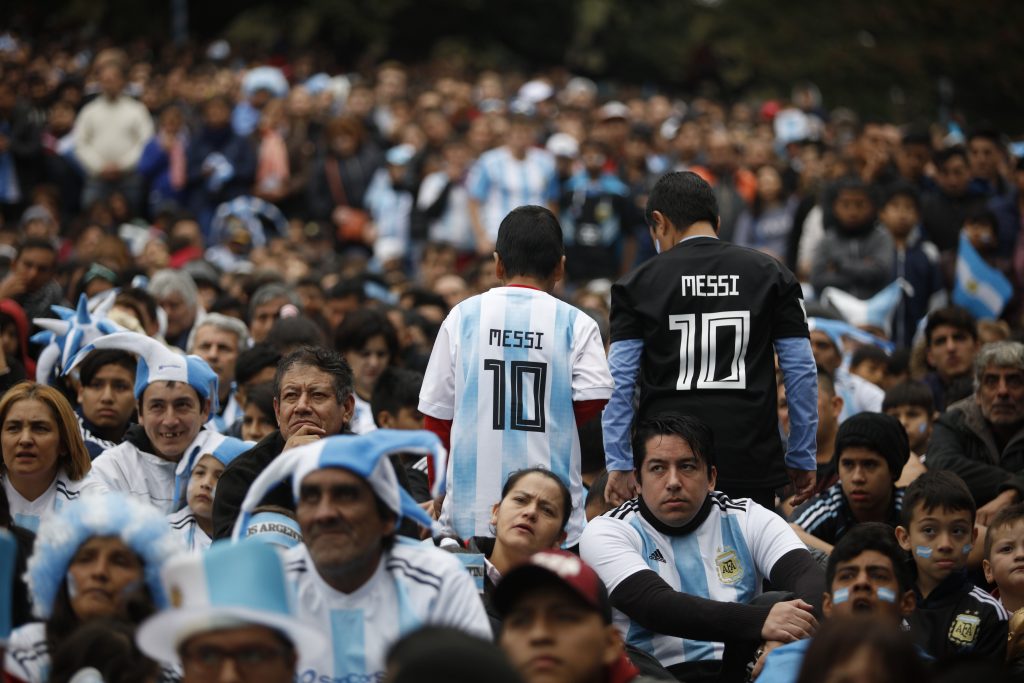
x=979 y=287
x=876 y=311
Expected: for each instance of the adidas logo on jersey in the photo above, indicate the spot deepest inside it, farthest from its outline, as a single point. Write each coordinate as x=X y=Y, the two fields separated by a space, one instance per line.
x=657 y=556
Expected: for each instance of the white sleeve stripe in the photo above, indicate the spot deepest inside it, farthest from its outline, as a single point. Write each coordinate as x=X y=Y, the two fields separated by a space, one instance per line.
x=981 y=596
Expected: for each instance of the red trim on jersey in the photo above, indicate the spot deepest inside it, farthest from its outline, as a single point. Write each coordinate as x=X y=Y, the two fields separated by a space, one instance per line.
x=585 y=411
x=526 y=287
x=443 y=429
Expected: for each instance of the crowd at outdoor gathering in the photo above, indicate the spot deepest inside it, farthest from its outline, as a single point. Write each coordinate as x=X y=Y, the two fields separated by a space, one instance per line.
x=431 y=373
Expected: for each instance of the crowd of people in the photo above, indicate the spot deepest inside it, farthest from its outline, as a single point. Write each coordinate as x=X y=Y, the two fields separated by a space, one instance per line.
x=424 y=372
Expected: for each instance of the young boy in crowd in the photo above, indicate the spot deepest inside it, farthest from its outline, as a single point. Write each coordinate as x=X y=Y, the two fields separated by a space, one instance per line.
x=913 y=405
x=395 y=406
x=194 y=522
x=870 y=362
x=1004 y=556
x=871 y=450
x=953 y=616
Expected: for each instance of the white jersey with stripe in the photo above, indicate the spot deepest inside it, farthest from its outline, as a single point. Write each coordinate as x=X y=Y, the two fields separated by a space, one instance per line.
x=28 y=514
x=186 y=527
x=725 y=559
x=505 y=368
x=414 y=585
x=500 y=182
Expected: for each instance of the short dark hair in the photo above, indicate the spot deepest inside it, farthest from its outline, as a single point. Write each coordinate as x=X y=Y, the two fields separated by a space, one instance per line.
x=982 y=215
x=530 y=242
x=100 y=358
x=562 y=488
x=321 y=358
x=1008 y=516
x=866 y=352
x=953 y=316
x=360 y=326
x=825 y=381
x=870 y=536
x=852 y=183
x=690 y=429
x=909 y=393
x=346 y=289
x=986 y=131
x=903 y=188
x=262 y=396
x=287 y=333
x=944 y=155
x=684 y=198
x=937 y=489
x=597 y=487
x=252 y=360
x=396 y=388
x=36 y=243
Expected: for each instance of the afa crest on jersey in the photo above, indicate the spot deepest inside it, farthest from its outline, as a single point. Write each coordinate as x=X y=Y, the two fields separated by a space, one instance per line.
x=965 y=629
x=729 y=569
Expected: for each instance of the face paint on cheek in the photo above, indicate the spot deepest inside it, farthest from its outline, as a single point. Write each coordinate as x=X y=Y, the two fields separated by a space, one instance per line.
x=72 y=586
x=921 y=428
x=841 y=595
x=130 y=588
x=967 y=549
x=886 y=594
x=923 y=551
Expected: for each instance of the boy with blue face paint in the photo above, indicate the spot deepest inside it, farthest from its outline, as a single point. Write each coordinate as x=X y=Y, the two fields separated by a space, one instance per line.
x=953 y=616
x=867 y=574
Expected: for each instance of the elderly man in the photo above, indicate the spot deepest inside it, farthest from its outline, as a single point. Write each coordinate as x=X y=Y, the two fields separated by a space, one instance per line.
x=981 y=438
x=243 y=629
x=176 y=293
x=175 y=394
x=312 y=399
x=683 y=561
x=355 y=580
x=218 y=339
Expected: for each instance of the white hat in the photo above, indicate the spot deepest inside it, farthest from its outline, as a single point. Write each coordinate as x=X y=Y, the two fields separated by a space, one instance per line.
x=231 y=585
x=72 y=330
x=563 y=145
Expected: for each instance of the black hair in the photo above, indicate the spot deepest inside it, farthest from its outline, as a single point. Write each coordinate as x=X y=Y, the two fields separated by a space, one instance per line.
x=899 y=362
x=98 y=359
x=436 y=654
x=252 y=360
x=323 y=359
x=135 y=297
x=841 y=638
x=262 y=396
x=916 y=136
x=346 y=289
x=418 y=296
x=986 y=131
x=902 y=188
x=909 y=393
x=562 y=488
x=691 y=430
x=530 y=242
x=107 y=645
x=866 y=352
x=982 y=215
x=944 y=155
x=954 y=316
x=937 y=489
x=36 y=243
x=684 y=198
x=397 y=388
x=825 y=380
x=287 y=333
x=852 y=183
x=597 y=487
x=360 y=326
x=870 y=536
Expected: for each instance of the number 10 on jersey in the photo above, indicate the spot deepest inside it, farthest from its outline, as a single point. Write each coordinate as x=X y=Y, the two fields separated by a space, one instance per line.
x=711 y=327
x=526 y=383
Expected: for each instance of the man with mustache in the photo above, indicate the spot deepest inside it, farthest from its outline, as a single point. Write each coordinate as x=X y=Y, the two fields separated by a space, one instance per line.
x=981 y=438
x=683 y=561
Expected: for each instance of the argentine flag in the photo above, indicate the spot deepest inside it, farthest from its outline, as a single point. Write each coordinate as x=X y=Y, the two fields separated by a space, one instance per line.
x=979 y=287
x=876 y=311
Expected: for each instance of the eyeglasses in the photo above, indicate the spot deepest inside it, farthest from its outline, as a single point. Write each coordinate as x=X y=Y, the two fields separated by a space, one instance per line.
x=252 y=660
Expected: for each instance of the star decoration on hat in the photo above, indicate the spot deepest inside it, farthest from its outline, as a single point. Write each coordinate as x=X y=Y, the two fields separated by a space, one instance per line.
x=65 y=336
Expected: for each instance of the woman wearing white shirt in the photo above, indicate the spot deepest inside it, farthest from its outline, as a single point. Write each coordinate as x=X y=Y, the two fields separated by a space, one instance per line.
x=44 y=456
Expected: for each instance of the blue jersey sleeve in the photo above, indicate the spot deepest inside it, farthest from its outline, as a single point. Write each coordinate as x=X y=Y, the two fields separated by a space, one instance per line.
x=624 y=363
x=801 y=378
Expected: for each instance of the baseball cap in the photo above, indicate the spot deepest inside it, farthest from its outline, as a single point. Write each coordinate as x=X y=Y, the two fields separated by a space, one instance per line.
x=554 y=565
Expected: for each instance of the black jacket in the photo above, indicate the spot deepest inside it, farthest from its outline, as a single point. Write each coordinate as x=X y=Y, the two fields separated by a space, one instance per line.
x=959 y=618
x=239 y=475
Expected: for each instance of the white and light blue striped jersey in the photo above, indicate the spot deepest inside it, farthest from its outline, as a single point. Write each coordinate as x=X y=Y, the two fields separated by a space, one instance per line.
x=505 y=368
x=186 y=527
x=362 y=421
x=414 y=585
x=500 y=182
x=453 y=225
x=29 y=513
x=391 y=209
x=725 y=559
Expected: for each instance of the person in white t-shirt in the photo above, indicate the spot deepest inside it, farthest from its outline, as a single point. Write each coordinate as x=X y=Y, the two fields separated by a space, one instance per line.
x=44 y=457
x=354 y=580
x=682 y=562
x=513 y=373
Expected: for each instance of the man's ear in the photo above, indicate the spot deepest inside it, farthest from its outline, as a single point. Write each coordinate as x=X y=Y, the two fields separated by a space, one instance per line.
x=908 y=603
x=559 y=272
x=826 y=605
x=384 y=419
x=717 y=224
x=560 y=540
x=986 y=567
x=659 y=223
x=348 y=408
x=903 y=537
x=613 y=647
x=499 y=268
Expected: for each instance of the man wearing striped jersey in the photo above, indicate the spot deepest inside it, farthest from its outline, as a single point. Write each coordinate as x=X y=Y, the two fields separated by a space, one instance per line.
x=512 y=373
x=871 y=450
x=515 y=174
x=696 y=329
x=682 y=561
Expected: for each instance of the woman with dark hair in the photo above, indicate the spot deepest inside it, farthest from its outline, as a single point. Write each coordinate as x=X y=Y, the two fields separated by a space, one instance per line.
x=43 y=453
x=369 y=343
x=97 y=557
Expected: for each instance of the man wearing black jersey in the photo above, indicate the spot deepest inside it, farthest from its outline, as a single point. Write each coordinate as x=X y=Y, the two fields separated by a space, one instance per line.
x=695 y=329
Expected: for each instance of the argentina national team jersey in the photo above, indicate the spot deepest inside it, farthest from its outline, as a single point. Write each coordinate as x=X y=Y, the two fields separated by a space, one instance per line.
x=28 y=514
x=500 y=182
x=414 y=585
x=725 y=559
x=506 y=368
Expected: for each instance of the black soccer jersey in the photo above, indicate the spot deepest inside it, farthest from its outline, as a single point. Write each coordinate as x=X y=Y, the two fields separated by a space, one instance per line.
x=708 y=313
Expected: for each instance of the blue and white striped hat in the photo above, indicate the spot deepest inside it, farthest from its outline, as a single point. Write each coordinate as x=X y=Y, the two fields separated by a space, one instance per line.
x=364 y=455
x=208 y=442
x=231 y=585
x=158 y=363
x=65 y=336
x=141 y=527
x=275 y=529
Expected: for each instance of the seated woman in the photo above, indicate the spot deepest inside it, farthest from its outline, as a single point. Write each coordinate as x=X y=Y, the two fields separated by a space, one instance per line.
x=97 y=557
x=43 y=453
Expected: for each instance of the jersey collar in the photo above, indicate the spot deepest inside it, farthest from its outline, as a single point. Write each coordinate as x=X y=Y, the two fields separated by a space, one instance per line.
x=687 y=528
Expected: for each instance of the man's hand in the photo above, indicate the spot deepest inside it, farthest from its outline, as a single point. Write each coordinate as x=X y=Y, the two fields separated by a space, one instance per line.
x=110 y=173
x=307 y=433
x=621 y=487
x=987 y=511
x=764 y=650
x=803 y=484
x=12 y=286
x=789 y=621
